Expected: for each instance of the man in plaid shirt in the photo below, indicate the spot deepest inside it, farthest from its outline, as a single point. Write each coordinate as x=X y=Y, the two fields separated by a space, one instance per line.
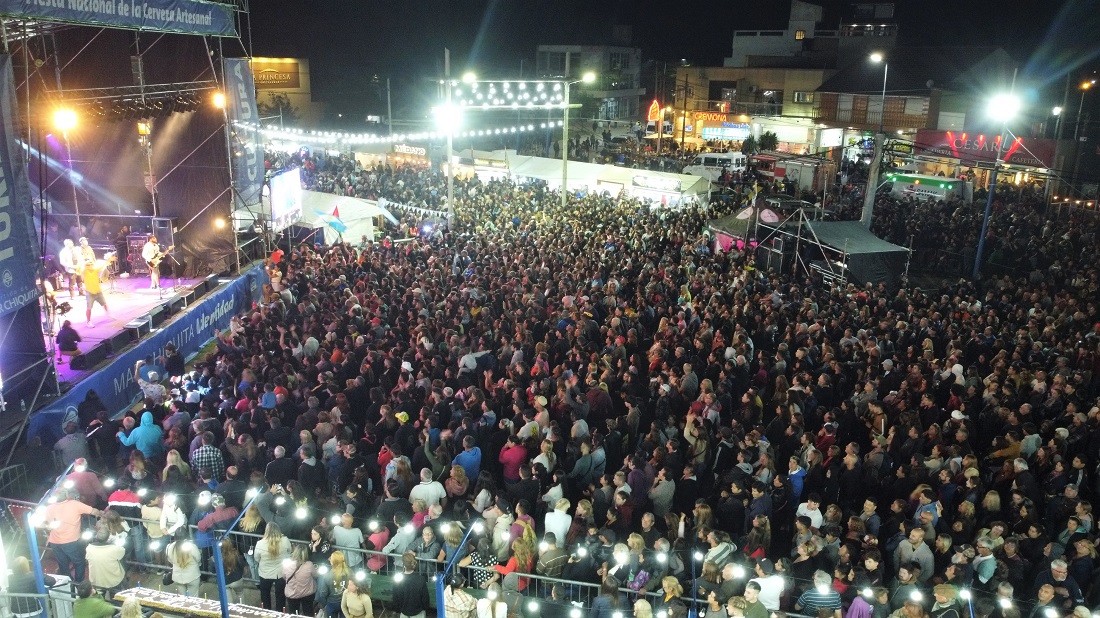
x=209 y=456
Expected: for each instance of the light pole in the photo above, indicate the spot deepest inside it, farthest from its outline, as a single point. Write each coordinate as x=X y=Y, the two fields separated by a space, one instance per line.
x=880 y=146
x=1003 y=107
x=65 y=121
x=1084 y=87
x=587 y=78
x=219 y=101
x=877 y=58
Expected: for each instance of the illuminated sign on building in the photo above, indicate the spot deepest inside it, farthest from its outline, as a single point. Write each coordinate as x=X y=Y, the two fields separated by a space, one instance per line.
x=406 y=149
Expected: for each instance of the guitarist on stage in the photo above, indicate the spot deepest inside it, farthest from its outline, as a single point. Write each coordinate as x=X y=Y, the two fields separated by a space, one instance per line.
x=152 y=256
x=72 y=260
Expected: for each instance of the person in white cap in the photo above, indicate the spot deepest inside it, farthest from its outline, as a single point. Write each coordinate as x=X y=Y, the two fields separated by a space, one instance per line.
x=150 y=389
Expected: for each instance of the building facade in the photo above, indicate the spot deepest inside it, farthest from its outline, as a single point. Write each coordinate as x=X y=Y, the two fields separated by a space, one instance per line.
x=808 y=40
x=617 y=90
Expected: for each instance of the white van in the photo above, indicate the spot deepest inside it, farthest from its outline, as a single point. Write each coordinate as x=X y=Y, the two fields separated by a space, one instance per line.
x=710 y=165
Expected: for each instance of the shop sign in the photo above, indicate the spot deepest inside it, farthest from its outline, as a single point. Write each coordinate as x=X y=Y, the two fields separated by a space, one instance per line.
x=277 y=73
x=981 y=148
x=654 y=111
x=490 y=163
x=711 y=116
x=406 y=149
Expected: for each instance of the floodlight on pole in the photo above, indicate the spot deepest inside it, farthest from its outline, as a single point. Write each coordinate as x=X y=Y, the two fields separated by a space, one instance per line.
x=469 y=77
x=1003 y=107
x=588 y=77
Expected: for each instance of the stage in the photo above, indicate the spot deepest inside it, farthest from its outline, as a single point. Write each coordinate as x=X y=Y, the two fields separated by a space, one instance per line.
x=128 y=299
x=186 y=318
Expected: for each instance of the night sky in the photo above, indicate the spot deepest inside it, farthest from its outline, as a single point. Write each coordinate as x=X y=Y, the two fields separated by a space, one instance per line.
x=349 y=41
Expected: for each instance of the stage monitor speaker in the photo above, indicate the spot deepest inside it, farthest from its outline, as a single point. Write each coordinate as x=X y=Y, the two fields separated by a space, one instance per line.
x=175 y=305
x=91 y=358
x=157 y=316
x=119 y=341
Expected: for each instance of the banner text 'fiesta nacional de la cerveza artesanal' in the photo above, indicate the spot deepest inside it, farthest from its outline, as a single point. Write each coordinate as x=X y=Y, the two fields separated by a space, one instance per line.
x=180 y=16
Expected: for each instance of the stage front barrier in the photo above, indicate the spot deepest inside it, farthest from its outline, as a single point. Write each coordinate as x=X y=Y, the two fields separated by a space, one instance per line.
x=189 y=331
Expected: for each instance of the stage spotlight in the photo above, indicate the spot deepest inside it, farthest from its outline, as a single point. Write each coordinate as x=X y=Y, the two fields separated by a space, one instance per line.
x=219 y=223
x=219 y=100
x=64 y=120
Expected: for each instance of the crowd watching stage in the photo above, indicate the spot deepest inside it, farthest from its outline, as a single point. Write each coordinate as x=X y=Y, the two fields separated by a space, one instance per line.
x=625 y=423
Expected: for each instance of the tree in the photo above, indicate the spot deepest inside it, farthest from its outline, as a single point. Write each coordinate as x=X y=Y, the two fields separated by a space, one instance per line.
x=278 y=105
x=769 y=141
x=748 y=146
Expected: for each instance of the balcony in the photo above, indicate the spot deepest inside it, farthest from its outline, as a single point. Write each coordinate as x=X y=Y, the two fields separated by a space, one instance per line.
x=865 y=119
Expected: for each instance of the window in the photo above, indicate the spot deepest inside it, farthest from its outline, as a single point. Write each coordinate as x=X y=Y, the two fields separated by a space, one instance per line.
x=803 y=97
x=729 y=94
x=799 y=35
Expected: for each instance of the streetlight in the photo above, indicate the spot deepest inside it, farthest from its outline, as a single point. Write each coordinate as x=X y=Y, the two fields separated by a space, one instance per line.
x=1084 y=88
x=1003 y=107
x=877 y=58
x=880 y=147
x=66 y=120
x=587 y=78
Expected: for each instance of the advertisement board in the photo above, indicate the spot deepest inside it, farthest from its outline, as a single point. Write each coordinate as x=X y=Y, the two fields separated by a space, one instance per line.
x=179 y=16
x=277 y=73
x=18 y=261
x=247 y=151
x=982 y=148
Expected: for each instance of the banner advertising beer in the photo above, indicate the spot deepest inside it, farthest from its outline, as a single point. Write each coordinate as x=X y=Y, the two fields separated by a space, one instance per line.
x=248 y=153
x=18 y=263
x=180 y=16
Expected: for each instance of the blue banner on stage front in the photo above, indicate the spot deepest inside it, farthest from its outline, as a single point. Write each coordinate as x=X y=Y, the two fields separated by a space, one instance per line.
x=244 y=133
x=18 y=259
x=182 y=16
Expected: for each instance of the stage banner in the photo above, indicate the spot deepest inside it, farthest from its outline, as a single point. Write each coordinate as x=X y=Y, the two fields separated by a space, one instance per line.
x=18 y=257
x=180 y=16
x=190 y=331
x=244 y=132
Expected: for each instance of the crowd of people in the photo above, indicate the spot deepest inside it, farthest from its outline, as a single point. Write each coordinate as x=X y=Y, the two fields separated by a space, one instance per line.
x=613 y=403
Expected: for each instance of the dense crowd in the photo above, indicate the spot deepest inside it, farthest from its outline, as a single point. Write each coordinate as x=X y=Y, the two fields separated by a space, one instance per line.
x=616 y=404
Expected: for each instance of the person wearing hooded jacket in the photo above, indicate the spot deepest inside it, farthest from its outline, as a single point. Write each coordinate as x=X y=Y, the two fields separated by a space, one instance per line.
x=146 y=437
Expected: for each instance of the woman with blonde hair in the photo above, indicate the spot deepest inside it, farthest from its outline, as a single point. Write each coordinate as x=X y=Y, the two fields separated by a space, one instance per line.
x=522 y=561
x=457 y=484
x=670 y=591
x=546 y=456
x=131 y=608
x=332 y=582
x=174 y=459
x=184 y=557
x=270 y=552
x=945 y=606
x=300 y=584
x=356 y=601
x=642 y=609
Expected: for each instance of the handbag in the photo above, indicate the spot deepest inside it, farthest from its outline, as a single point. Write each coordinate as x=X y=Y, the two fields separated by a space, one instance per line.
x=167 y=579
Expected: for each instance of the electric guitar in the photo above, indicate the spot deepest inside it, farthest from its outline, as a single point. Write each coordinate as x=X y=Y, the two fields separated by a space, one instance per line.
x=155 y=261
